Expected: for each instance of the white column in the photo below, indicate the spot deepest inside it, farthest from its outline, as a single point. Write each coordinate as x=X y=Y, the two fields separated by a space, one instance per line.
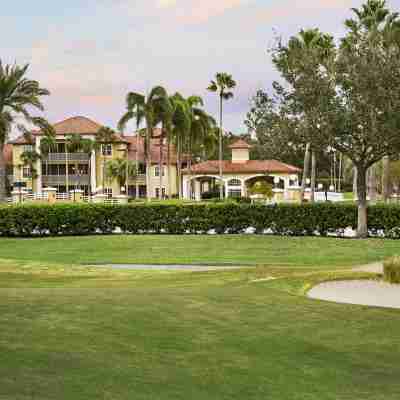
x=38 y=168
x=93 y=182
x=197 y=190
x=184 y=187
x=226 y=188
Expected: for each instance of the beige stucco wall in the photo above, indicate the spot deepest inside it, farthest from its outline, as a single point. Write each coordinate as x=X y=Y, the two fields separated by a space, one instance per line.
x=240 y=155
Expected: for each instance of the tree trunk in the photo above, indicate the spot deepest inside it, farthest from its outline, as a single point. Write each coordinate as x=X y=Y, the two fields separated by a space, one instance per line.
x=160 y=166
x=386 y=179
x=179 y=166
x=148 y=163
x=362 y=225
x=221 y=177
x=355 y=195
x=137 y=162
x=2 y=175
x=313 y=175
x=305 y=172
x=372 y=183
x=169 y=166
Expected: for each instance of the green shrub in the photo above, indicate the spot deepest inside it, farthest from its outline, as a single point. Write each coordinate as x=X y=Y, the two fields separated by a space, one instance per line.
x=181 y=218
x=391 y=270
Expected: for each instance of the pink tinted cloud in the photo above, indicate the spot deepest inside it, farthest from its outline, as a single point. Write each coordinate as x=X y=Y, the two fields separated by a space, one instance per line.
x=302 y=8
x=195 y=11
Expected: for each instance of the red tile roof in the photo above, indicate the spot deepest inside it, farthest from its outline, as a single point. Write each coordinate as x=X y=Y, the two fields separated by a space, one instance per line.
x=154 y=149
x=240 y=144
x=8 y=154
x=74 y=125
x=252 y=166
x=20 y=140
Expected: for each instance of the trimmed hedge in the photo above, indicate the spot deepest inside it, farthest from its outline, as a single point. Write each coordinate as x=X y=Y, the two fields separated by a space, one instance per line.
x=284 y=219
x=391 y=270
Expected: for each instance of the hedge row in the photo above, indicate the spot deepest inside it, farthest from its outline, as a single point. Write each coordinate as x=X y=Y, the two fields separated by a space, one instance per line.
x=295 y=220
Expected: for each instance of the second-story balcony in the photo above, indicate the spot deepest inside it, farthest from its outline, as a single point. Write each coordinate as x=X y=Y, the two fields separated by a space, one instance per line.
x=63 y=157
x=50 y=180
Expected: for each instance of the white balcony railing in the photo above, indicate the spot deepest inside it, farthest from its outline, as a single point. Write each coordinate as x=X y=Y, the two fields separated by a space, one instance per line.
x=67 y=156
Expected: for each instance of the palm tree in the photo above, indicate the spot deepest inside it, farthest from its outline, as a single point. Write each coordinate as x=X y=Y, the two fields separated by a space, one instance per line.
x=88 y=146
x=73 y=144
x=122 y=170
x=104 y=136
x=29 y=158
x=152 y=107
x=135 y=110
x=179 y=128
x=202 y=127
x=223 y=85
x=18 y=96
x=48 y=145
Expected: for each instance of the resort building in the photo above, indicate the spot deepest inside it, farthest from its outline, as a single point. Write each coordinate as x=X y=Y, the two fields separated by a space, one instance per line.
x=68 y=171
x=239 y=174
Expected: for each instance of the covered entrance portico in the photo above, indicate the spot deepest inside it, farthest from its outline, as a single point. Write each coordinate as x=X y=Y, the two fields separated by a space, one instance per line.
x=235 y=186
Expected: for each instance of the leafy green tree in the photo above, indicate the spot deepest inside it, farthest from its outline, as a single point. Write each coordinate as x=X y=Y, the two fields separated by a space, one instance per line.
x=18 y=97
x=305 y=64
x=262 y=188
x=223 y=85
x=365 y=120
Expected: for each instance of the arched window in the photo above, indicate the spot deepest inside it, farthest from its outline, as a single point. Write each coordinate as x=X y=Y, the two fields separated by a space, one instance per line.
x=235 y=182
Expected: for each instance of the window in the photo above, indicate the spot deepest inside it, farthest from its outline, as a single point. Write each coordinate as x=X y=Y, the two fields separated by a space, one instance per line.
x=163 y=193
x=27 y=147
x=106 y=149
x=26 y=172
x=235 y=193
x=234 y=182
x=157 y=171
x=108 y=192
x=83 y=169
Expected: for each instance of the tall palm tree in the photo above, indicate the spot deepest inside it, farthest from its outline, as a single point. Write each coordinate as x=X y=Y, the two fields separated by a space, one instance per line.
x=18 y=96
x=29 y=158
x=222 y=85
x=152 y=106
x=104 y=136
x=202 y=127
x=48 y=144
x=135 y=111
x=178 y=130
x=122 y=170
x=88 y=146
x=73 y=144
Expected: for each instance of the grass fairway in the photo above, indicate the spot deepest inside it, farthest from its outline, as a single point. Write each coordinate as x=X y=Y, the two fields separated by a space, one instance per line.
x=235 y=249
x=77 y=334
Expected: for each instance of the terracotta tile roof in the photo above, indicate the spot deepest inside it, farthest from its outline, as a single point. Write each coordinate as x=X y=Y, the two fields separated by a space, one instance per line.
x=8 y=154
x=81 y=125
x=240 y=144
x=20 y=140
x=252 y=166
x=154 y=149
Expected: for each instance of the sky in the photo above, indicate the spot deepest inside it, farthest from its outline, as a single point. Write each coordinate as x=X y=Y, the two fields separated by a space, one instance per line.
x=91 y=53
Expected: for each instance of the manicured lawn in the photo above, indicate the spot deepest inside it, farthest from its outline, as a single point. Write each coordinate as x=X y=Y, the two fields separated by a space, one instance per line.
x=74 y=334
x=235 y=249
